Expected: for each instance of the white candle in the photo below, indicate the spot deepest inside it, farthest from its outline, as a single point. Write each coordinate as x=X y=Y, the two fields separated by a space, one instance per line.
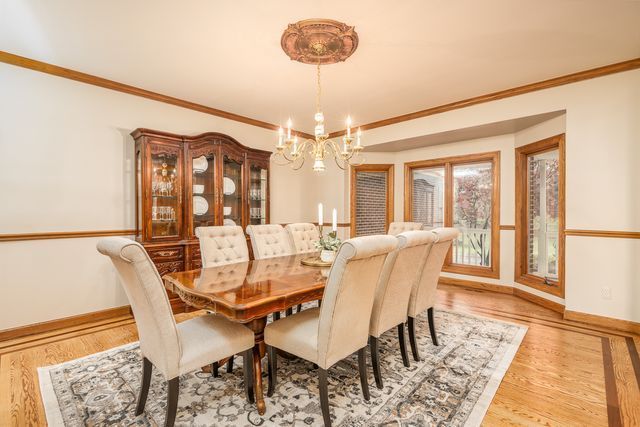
x=348 y=126
x=359 y=134
x=319 y=213
x=289 y=128
x=280 y=136
x=335 y=220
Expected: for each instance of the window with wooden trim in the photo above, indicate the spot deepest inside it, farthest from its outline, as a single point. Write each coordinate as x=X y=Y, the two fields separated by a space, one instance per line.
x=371 y=199
x=461 y=192
x=540 y=215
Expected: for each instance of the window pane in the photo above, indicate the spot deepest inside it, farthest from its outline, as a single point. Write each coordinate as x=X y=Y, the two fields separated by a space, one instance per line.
x=428 y=197
x=371 y=203
x=472 y=203
x=542 y=214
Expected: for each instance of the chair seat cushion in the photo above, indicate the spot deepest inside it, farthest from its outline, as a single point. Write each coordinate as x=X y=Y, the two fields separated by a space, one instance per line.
x=209 y=338
x=296 y=334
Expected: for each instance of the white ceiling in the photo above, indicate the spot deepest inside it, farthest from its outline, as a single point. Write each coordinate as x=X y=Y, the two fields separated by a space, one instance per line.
x=412 y=54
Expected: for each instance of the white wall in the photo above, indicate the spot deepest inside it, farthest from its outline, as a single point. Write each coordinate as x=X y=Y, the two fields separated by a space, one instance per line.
x=66 y=165
x=603 y=180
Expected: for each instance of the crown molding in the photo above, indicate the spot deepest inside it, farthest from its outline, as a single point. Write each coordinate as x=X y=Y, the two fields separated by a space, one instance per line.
x=592 y=73
x=43 y=67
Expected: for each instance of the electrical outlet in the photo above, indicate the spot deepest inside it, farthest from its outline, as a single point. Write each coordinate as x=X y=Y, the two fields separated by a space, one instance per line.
x=606 y=292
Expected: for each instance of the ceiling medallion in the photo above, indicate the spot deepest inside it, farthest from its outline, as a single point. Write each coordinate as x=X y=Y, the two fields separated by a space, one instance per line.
x=319 y=42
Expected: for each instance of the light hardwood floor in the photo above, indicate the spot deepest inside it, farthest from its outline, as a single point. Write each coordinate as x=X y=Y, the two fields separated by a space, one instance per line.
x=564 y=373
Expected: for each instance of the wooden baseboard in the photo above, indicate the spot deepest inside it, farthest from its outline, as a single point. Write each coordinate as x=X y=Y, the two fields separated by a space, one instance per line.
x=552 y=305
x=602 y=321
x=476 y=285
x=65 y=322
x=177 y=306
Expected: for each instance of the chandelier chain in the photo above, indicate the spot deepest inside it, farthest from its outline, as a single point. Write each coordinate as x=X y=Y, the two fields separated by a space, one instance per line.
x=319 y=91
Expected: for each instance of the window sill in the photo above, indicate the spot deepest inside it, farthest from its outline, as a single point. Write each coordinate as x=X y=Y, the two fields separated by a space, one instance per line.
x=472 y=270
x=538 y=283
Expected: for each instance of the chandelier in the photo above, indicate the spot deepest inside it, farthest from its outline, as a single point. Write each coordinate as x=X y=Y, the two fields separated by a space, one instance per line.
x=318 y=42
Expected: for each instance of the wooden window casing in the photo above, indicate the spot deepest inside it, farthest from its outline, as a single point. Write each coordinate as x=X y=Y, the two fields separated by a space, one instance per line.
x=383 y=168
x=522 y=276
x=448 y=163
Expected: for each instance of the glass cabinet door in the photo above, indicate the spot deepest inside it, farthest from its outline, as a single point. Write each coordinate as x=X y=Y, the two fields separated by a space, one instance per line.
x=258 y=186
x=203 y=194
x=232 y=192
x=165 y=193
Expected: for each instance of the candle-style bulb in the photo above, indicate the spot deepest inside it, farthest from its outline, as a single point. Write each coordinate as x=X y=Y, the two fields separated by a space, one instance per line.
x=289 y=128
x=348 y=126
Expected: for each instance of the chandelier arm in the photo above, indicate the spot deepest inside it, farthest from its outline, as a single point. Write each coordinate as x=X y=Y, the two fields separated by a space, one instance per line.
x=301 y=164
x=276 y=156
x=343 y=167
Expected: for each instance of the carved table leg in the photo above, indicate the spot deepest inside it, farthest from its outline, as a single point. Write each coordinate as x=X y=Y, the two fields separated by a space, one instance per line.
x=257 y=326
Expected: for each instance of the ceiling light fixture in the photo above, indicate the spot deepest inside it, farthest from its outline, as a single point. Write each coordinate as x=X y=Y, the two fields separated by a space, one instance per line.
x=319 y=42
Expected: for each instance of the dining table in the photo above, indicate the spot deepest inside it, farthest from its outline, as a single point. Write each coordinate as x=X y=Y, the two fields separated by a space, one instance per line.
x=247 y=292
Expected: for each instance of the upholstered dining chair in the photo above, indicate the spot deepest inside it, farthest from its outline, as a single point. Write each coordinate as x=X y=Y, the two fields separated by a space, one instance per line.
x=396 y=228
x=220 y=245
x=423 y=294
x=303 y=237
x=401 y=271
x=173 y=349
x=327 y=334
x=269 y=240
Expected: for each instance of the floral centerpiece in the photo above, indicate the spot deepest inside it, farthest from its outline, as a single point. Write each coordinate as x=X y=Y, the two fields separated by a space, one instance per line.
x=328 y=246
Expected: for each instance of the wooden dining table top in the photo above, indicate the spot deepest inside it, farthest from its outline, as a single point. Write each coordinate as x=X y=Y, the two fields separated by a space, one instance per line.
x=250 y=290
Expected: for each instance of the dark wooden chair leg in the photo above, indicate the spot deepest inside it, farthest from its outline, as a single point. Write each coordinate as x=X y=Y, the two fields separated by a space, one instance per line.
x=276 y=315
x=362 y=366
x=403 y=345
x=230 y=365
x=412 y=339
x=298 y=308
x=289 y=311
x=247 y=363
x=215 y=366
x=147 y=368
x=432 y=326
x=172 y=401
x=375 y=361
x=272 y=358
x=324 y=396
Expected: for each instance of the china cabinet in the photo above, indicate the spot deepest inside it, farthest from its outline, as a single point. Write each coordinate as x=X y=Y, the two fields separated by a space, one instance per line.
x=185 y=182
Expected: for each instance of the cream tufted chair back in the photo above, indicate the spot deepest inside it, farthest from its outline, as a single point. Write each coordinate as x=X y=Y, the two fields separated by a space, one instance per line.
x=269 y=241
x=159 y=341
x=303 y=237
x=423 y=294
x=348 y=297
x=400 y=273
x=222 y=245
x=396 y=228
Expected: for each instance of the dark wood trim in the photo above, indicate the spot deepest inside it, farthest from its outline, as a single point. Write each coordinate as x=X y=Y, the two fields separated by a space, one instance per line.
x=448 y=163
x=522 y=153
x=64 y=235
x=552 y=305
x=635 y=359
x=603 y=321
x=611 y=391
x=507 y=227
x=592 y=73
x=43 y=67
x=472 y=284
x=604 y=233
x=386 y=168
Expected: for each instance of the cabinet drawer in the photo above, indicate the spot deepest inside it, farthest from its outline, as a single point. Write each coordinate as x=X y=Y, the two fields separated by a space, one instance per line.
x=169 y=253
x=169 y=267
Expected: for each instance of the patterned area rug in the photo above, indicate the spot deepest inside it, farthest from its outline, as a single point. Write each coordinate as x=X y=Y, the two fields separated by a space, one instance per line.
x=453 y=385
